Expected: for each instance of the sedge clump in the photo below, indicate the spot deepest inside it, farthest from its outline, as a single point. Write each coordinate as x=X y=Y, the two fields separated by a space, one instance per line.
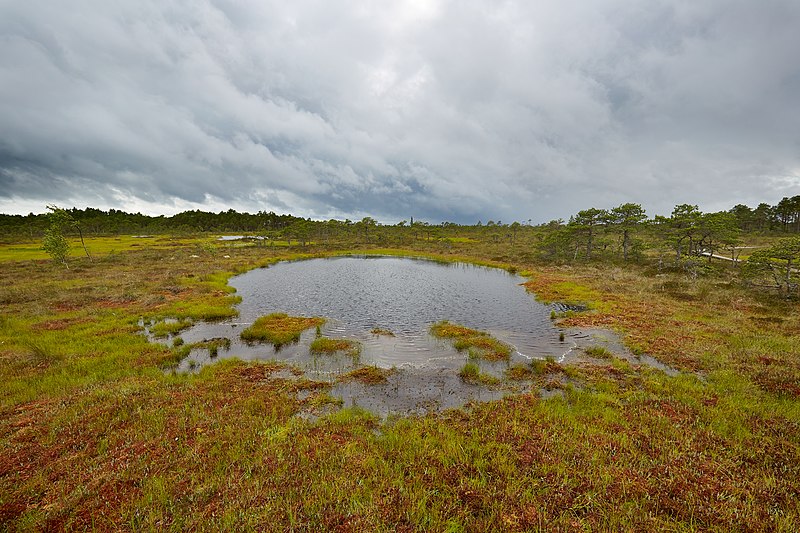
x=279 y=328
x=479 y=344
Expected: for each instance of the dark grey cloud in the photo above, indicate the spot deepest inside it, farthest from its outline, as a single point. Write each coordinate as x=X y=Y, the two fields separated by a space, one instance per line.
x=439 y=110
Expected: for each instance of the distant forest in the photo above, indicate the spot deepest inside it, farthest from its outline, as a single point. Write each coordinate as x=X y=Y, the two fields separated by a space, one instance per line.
x=784 y=217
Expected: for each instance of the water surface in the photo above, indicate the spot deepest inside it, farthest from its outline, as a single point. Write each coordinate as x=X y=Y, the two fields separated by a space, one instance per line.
x=404 y=296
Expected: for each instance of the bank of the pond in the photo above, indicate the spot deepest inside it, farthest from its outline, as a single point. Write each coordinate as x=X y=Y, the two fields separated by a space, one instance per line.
x=404 y=294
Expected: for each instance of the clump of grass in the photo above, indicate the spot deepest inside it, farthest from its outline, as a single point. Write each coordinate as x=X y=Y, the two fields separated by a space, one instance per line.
x=279 y=328
x=545 y=366
x=42 y=353
x=382 y=331
x=327 y=345
x=599 y=352
x=519 y=372
x=479 y=344
x=368 y=375
x=213 y=345
x=471 y=373
x=166 y=328
x=320 y=398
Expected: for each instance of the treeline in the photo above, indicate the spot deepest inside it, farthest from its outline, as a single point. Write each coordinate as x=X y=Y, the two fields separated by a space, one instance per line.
x=785 y=216
x=688 y=239
x=625 y=232
x=116 y=222
x=589 y=234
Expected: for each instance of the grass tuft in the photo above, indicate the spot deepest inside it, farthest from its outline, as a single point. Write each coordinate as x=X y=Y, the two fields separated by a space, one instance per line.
x=368 y=375
x=545 y=366
x=279 y=328
x=168 y=327
x=471 y=373
x=598 y=352
x=519 y=372
x=479 y=344
x=327 y=345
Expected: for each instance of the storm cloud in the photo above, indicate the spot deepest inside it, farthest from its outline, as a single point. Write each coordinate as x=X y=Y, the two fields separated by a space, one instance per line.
x=444 y=110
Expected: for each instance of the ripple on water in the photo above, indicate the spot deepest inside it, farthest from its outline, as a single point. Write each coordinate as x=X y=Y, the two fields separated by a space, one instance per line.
x=404 y=296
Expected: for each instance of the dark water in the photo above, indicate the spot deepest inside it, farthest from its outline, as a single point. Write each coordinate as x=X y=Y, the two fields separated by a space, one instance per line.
x=405 y=296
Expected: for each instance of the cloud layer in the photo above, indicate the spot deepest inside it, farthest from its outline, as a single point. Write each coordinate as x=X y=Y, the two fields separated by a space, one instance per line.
x=438 y=110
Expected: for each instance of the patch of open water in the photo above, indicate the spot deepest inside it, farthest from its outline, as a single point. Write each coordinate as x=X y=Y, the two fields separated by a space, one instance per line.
x=404 y=296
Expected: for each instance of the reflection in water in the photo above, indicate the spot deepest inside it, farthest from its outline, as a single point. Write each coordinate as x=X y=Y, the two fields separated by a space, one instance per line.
x=405 y=296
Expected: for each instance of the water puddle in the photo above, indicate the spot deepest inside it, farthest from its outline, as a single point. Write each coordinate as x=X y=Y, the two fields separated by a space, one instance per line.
x=402 y=296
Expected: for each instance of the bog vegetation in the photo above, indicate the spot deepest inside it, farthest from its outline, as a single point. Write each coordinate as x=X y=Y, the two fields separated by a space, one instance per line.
x=95 y=434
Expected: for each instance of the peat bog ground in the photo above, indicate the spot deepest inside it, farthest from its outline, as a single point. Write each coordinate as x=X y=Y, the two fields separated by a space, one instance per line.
x=97 y=433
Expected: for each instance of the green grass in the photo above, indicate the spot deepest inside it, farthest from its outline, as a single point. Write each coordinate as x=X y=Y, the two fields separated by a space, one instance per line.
x=599 y=352
x=478 y=344
x=519 y=372
x=471 y=373
x=166 y=328
x=94 y=435
x=97 y=246
x=369 y=375
x=279 y=328
x=326 y=345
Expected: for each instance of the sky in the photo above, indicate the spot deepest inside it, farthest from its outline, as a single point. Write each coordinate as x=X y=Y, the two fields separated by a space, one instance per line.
x=438 y=110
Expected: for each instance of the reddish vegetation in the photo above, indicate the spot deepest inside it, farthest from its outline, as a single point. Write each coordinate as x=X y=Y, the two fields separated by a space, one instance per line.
x=621 y=449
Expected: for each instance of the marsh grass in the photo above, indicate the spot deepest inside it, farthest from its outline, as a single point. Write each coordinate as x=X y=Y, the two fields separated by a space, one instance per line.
x=213 y=345
x=165 y=328
x=598 y=352
x=382 y=331
x=369 y=375
x=478 y=344
x=545 y=366
x=471 y=373
x=43 y=352
x=101 y=439
x=279 y=328
x=519 y=372
x=326 y=345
